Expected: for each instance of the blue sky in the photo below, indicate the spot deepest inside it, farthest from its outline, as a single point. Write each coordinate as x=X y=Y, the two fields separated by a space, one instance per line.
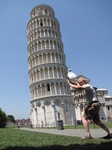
x=86 y=28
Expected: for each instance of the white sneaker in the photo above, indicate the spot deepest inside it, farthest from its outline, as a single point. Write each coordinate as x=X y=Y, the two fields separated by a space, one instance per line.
x=87 y=137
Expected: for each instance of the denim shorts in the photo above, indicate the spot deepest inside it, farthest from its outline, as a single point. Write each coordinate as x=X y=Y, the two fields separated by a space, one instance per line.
x=92 y=112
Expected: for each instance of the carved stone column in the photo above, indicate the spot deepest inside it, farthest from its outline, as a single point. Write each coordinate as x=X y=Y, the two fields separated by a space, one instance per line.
x=64 y=116
x=53 y=106
x=43 y=107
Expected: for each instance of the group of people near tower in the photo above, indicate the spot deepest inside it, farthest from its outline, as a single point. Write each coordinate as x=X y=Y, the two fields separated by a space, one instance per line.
x=91 y=112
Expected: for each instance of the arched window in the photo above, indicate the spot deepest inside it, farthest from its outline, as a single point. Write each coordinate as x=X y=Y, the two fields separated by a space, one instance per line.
x=41 y=24
x=108 y=108
x=45 y=11
x=48 y=87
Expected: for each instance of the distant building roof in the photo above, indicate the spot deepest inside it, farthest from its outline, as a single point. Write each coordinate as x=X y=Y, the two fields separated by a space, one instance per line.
x=108 y=96
x=101 y=89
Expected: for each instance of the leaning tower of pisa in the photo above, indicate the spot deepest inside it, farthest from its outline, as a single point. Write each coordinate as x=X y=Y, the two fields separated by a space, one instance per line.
x=50 y=93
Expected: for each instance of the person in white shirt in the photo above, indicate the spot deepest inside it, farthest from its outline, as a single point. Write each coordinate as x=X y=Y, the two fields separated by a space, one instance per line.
x=92 y=110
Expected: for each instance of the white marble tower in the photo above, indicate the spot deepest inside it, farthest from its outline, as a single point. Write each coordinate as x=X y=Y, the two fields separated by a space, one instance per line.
x=50 y=93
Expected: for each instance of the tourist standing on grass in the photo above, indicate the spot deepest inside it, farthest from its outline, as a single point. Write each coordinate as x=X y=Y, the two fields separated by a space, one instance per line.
x=18 y=125
x=92 y=109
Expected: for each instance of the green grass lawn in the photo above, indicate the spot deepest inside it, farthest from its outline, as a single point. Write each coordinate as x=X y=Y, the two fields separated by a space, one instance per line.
x=14 y=139
x=92 y=126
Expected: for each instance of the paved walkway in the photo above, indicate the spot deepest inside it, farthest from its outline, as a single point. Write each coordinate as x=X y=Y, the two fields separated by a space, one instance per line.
x=96 y=133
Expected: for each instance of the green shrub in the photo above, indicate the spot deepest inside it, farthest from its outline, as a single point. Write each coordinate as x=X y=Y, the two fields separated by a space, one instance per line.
x=3 y=119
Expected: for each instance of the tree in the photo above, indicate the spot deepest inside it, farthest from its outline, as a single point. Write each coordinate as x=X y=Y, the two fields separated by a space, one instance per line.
x=10 y=118
x=3 y=119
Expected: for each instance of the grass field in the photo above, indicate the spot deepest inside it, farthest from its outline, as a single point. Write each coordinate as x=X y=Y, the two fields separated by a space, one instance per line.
x=92 y=126
x=14 y=139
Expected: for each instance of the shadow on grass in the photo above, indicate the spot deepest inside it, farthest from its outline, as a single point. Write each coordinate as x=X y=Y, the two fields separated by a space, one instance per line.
x=102 y=146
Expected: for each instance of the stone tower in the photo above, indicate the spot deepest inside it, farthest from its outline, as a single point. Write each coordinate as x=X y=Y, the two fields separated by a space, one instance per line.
x=50 y=93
